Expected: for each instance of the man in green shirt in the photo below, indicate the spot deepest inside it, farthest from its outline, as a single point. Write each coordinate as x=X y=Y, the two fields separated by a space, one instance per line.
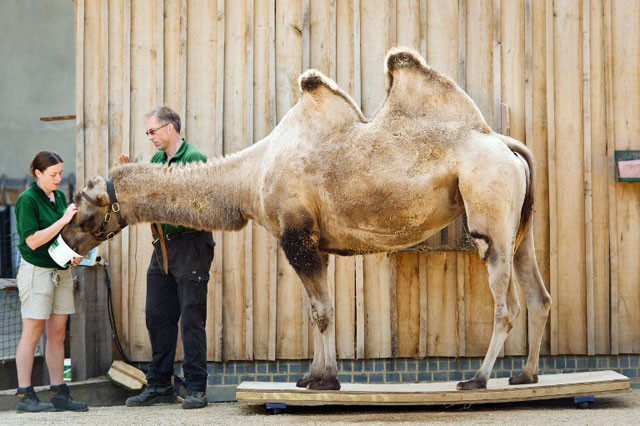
x=180 y=292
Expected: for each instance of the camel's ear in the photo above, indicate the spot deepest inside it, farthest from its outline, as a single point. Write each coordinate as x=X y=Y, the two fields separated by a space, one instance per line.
x=102 y=200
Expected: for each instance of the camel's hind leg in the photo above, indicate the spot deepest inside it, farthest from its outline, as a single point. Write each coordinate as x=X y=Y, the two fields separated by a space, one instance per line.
x=505 y=304
x=493 y=222
x=538 y=304
x=301 y=248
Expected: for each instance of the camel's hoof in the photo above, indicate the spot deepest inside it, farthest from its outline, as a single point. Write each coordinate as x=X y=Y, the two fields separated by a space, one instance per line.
x=305 y=381
x=523 y=379
x=472 y=384
x=325 y=384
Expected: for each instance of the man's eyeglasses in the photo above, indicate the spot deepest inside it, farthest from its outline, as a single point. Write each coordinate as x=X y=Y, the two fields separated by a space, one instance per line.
x=152 y=132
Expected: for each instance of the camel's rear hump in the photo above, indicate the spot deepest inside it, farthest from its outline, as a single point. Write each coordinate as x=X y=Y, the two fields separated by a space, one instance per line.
x=416 y=89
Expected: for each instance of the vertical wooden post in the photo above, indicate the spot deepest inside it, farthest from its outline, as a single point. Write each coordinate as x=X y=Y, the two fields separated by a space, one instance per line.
x=104 y=98
x=462 y=320
x=452 y=235
x=248 y=231
x=613 y=215
x=79 y=18
x=159 y=21
x=357 y=65
x=553 y=202
x=333 y=44
x=305 y=64
x=126 y=149
x=273 y=296
x=588 y=193
x=90 y=332
x=423 y=28
x=424 y=303
x=528 y=74
x=393 y=264
x=359 y=264
x=462 y=44
x=333 y=74
x=360 y=307
x=273 y=243
x=182 y=65
x=496 y=68
x=506 y=127
x=218 y=265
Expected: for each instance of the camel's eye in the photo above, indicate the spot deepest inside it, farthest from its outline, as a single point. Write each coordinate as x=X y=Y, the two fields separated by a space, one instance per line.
x=88 y=224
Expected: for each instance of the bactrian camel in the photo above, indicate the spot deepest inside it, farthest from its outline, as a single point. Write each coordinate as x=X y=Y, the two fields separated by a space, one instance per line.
x=329 y=181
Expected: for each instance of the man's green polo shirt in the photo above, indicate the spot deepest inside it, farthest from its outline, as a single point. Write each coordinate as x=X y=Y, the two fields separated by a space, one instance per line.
x=35 y=211
x=187 y=153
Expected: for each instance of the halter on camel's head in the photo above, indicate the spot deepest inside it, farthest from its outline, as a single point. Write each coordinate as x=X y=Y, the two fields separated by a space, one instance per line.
x=98 y=218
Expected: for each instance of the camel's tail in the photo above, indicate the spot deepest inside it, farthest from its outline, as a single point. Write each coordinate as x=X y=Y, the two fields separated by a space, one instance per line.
x=527 y=205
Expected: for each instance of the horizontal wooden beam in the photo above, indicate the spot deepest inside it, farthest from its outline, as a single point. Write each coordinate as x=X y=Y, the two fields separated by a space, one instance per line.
x=58 y=118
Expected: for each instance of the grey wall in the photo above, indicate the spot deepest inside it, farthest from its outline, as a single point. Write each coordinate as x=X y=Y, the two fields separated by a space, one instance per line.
x=36 y=80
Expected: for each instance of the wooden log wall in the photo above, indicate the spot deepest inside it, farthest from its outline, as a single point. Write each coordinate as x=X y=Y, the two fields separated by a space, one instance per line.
x=560 y=75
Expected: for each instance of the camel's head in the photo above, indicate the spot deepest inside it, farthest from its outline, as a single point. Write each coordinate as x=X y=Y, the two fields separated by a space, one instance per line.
x=97 y=219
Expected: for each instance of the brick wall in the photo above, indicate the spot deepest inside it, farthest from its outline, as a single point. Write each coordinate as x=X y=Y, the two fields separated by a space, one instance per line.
x=408 y=370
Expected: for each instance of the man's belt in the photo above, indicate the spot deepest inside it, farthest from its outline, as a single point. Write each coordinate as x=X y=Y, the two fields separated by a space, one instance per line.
x=156 y=232
x=187 y=235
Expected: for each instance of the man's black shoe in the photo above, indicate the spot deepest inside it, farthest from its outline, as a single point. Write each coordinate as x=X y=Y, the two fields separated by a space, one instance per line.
x=28 y=402
x=180 y=387
x=194 y=399
x=153 y=394
x=62 y=401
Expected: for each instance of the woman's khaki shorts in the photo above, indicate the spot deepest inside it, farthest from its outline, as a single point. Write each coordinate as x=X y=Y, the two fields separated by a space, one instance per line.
x=40 y=296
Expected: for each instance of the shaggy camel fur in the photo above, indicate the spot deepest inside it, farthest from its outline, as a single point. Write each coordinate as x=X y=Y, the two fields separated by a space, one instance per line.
x=326 y=180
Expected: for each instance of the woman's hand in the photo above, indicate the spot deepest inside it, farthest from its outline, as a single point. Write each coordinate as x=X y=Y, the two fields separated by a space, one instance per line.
x=40 y=237
x=69 y=213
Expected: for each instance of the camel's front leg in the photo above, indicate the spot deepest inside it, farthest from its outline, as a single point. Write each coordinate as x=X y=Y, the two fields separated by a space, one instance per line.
x=317 y=366
x=324 y=325
x=301 y=248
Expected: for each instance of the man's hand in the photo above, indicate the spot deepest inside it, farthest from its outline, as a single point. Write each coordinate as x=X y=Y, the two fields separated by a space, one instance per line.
x=76 y=261
x=124 y=158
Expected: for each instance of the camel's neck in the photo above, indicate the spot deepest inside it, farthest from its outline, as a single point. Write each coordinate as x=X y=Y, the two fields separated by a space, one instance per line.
x=213 y=196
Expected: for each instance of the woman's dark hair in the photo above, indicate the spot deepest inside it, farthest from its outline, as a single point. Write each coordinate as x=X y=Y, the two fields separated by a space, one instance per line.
x=42 y=160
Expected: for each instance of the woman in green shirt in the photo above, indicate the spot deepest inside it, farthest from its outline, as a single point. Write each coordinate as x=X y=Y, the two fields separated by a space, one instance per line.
x=46 y=289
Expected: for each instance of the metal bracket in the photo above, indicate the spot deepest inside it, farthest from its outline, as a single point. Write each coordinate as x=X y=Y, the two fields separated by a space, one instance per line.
x=276 y=407
x=584 y=401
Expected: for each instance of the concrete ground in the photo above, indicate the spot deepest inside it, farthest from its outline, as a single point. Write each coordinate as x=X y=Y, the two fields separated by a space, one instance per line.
x=617 y=409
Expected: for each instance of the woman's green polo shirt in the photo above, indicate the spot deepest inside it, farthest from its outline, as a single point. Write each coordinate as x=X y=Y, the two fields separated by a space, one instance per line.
x=35 y=211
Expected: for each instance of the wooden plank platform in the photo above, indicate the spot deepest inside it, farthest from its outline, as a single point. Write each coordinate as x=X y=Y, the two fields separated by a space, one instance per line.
x=436 y=393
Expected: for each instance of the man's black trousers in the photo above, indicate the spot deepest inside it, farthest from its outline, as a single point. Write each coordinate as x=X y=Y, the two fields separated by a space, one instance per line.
x=179 y=295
